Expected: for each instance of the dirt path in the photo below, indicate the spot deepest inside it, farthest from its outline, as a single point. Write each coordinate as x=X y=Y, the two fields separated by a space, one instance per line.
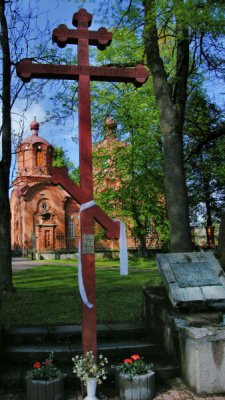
x=21 y=263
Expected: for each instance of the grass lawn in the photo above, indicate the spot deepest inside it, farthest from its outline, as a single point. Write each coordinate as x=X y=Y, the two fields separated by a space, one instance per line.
x=49 y=294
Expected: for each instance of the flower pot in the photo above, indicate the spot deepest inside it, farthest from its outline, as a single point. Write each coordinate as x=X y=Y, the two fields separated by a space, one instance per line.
x=45 y=390
x=139 y=387
x=91 y=389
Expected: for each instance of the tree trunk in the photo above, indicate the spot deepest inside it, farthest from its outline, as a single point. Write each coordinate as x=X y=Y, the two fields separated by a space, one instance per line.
x=5 y=162
x=142 y=246
x=171 y=105
x=176 y=194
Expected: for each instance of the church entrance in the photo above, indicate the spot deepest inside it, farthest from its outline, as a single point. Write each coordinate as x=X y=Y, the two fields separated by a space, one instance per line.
x=45 y=237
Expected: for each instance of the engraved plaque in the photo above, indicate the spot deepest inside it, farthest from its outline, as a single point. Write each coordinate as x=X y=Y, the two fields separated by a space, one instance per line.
x=88 y=244
x=194 y=274
x=193 y=279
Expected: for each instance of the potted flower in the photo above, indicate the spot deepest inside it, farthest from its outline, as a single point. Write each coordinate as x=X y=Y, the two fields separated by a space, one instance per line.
x=136 y=379
x=45 y=381
x=90 y=371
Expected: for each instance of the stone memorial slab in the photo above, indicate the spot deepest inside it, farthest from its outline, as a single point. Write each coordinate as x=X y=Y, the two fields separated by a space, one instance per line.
x=194 y=274
x=192 y=279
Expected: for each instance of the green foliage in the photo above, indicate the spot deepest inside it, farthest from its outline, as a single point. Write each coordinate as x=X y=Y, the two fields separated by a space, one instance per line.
x=134 y=365
x=45 y=370
x=60 y=159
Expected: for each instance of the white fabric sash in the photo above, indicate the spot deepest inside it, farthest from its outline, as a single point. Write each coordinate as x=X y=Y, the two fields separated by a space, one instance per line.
x=82 y=290
x=123 y=250
x=89 y=204
x=123 y=256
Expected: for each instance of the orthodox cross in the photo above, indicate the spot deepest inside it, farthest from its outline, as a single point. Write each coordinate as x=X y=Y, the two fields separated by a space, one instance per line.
x=83 y=194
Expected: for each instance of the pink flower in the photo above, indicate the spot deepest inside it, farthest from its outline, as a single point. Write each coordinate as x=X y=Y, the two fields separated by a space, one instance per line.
x=135 y=357
x=37 y=365
x=128 y=361
x=48 y=362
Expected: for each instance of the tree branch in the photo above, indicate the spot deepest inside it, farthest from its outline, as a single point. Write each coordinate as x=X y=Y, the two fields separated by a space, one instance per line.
x=210 y=137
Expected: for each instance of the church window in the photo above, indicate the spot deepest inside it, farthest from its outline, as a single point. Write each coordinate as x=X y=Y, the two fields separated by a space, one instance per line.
x=47 y=239
x=44 y=206
x=26 y=157
x=71 y=230
x=39 y=157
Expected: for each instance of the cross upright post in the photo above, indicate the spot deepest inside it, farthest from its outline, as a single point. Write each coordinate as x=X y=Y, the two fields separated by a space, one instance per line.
x=82 y=20
x=83 y=194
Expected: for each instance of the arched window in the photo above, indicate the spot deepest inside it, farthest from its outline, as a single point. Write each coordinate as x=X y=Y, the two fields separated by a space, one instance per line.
x=70 y=228
x=25 y=157
x=39 y=156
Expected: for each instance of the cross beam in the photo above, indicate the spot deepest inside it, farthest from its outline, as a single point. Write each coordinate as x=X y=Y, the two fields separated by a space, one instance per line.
x=59 y=176
x=136 y=75
x=84 y=73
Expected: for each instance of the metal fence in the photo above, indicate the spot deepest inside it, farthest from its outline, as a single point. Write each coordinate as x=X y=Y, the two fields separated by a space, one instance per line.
x=64 y=242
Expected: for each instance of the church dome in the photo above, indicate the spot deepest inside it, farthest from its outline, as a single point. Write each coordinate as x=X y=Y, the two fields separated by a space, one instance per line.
x=34 y=126
x=34 y=138
x=34 y=155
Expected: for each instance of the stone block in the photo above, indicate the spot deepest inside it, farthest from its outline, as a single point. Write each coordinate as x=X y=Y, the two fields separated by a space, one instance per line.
x=202 y=358
x=195 y=340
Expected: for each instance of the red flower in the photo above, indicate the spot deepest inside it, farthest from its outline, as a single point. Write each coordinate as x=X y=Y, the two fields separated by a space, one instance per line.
x=37 y=365
x=135 y=357
x=128 y=361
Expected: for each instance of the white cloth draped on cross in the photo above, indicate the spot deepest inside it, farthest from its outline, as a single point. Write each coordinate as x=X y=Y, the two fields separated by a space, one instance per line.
x=123 y=256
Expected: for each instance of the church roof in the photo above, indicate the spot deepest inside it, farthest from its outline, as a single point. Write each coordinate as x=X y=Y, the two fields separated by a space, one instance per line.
x=35 y=138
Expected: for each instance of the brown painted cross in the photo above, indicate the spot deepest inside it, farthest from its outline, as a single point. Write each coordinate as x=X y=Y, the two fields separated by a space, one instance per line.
x=83 y=72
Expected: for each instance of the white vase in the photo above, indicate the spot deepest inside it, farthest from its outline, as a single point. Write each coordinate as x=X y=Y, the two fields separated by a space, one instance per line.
x=91 y=389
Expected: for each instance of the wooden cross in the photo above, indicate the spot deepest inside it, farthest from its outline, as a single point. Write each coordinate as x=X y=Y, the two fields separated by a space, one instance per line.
x=84 y=73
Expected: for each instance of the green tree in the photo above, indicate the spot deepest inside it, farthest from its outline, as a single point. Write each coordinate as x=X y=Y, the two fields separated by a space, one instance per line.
x=205 y=149
x=191 y=24
x=60 y=159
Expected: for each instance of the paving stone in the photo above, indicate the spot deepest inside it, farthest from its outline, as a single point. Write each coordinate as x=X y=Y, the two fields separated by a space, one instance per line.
x=175 y=394
x=168 y=396
x=186 y=395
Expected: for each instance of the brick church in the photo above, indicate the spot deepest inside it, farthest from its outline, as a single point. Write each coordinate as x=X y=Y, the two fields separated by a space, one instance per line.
x=45 y=219
x=44 y=216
